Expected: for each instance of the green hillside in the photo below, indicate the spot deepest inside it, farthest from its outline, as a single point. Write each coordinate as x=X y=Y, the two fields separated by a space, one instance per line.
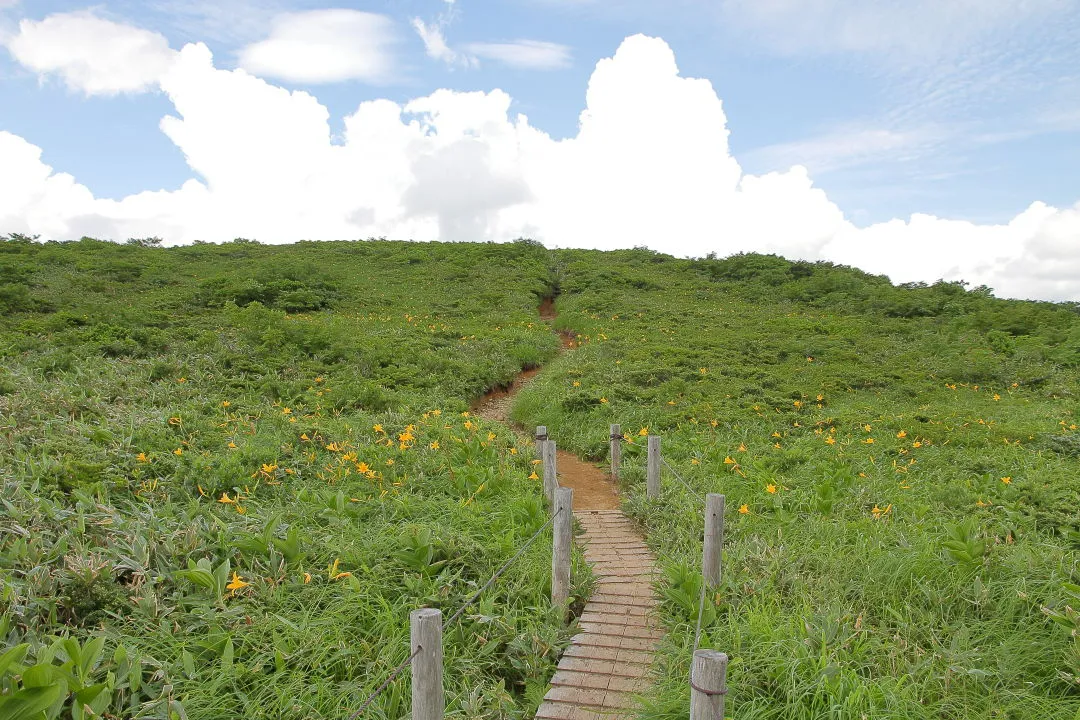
x=900 y=466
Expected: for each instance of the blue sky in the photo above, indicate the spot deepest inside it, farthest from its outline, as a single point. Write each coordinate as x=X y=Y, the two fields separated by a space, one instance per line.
x=776 y=97
x=961 y=109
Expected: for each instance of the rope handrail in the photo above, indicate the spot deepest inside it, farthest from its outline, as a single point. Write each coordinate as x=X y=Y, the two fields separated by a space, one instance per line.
x=386 y=683
x=676 y=474
x=504 y=567
x=398 y=670
x=701 y=598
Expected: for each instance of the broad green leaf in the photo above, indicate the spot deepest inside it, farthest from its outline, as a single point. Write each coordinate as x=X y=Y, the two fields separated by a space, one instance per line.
x=40 y=675
x=29 y=702
x=91 y=655
x=227 y=655
x=14 y=656
x=199 y=576
x=189 y=663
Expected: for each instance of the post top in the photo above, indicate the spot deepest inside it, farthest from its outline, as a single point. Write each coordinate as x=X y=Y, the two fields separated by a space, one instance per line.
x=714 y=655
x=422 y=613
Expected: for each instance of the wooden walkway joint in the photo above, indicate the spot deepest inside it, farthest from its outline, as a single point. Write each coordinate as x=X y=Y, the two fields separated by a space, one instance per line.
x=607 y=663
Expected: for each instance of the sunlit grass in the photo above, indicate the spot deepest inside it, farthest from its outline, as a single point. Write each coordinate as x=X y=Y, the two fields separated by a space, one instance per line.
x=901 y=492
x=246 y=503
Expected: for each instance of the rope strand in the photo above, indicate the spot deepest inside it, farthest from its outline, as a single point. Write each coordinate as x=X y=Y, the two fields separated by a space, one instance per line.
x=701 y=599
x=676 y=474
x=386 y=683
x=507 y=564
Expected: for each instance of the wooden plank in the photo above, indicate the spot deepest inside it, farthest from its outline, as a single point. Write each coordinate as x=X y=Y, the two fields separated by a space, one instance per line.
x=607 y=664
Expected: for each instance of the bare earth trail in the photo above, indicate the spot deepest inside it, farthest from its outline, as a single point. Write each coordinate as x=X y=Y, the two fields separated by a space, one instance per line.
x=608 y=662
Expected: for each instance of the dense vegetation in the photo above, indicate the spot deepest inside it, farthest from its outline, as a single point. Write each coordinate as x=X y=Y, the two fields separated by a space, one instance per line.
x=229 y=472
x=900 y=468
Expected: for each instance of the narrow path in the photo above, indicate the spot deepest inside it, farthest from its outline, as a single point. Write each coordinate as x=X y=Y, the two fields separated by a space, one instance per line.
x=607 y=663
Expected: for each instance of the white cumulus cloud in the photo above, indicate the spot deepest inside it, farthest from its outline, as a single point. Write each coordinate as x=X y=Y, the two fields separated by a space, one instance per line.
x=93 y=55
x=322 y=46
x=650 y=165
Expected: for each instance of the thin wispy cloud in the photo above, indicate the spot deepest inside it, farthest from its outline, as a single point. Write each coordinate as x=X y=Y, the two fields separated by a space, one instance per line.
x=522 y=53
x=905 y=32
x=528 y=54
x=231 y=22
x=953 y=75
x=435 y=45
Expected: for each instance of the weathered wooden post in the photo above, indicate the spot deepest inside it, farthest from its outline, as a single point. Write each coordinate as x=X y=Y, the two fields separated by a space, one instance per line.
x=551 y=480
x=560 y=546
x=652 y=483
x=708 y=685
x=541 y=434
x=711 y=561
x=428 y=702
x=616 y=450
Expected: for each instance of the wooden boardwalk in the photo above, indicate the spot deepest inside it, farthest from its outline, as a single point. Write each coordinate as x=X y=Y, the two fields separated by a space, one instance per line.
x=608 y=662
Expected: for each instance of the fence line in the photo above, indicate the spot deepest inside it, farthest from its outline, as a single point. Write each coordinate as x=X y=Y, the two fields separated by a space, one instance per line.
x=559 y=559
x=708 y=683
x=708 y=673
x=501 y=570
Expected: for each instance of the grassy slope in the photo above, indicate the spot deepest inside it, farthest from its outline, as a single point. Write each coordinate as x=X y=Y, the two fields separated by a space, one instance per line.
x=135 y=395
x=952 y=419
x=109 y=352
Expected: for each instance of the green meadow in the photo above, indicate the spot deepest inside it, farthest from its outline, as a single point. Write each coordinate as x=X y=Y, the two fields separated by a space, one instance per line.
x=230 y=471
x=900 y=471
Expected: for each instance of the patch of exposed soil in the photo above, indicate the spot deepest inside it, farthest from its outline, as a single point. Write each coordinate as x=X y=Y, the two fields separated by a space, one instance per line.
x=547 y=310
x=593 y=487
x=548 y=315
x=495 y=404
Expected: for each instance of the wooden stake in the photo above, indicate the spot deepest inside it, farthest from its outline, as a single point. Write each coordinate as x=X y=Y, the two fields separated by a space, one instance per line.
x=551 y=479
x=708 y=685
x=616 y=451
x=428 y=702
x=652 y=485
x=560 y=546
x=711 y=560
